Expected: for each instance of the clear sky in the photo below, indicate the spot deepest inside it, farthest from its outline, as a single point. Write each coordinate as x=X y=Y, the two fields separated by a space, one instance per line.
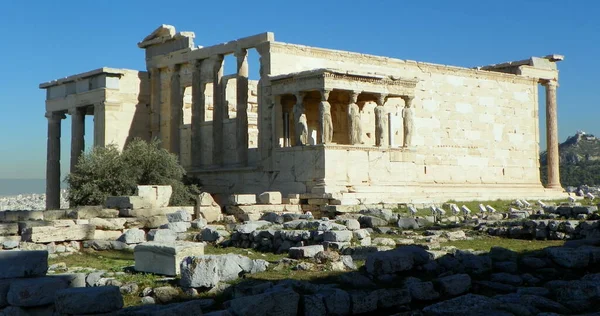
x=46 y=40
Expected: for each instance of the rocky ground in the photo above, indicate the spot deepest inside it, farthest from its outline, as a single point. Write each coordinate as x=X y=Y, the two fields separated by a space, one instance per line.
x=32 y=202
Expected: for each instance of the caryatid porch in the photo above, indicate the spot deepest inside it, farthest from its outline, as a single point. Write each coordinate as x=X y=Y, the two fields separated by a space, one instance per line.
x=324 y=106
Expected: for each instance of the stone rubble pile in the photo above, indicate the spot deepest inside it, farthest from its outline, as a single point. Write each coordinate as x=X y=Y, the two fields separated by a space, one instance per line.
x=26 y=289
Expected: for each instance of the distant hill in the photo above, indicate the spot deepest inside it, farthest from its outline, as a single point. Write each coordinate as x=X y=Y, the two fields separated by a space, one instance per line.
x=579 y=160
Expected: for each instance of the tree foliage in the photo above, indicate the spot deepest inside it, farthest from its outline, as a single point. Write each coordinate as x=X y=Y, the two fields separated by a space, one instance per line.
x=105 y=171
x=582 y=172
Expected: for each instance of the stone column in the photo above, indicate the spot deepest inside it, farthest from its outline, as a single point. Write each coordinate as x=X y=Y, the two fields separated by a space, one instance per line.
x=100 y=124
x=176 y=111
x=354 y=123
x=300 y=122
x=198 y=113
x=155 y=102
x=218 y=110
x=325 y=120
x=77 y=134
x=241 y=117
x=381 y=122
x=53 y=161
x=553 y=158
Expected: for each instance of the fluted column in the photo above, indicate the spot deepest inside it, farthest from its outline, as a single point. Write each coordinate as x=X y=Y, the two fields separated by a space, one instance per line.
x=53 y=161
x=553 y=158
x=325 y=120
x=242 y=107
x=218 y=110
x=300 y=122
x=155 y=91
x=381 y=122
x=100 y=124
x=77 y=134
x=354 y=123
x=176 y=111
x=198 y=113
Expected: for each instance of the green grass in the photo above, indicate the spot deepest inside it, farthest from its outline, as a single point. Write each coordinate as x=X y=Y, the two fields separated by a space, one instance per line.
x=485 y=243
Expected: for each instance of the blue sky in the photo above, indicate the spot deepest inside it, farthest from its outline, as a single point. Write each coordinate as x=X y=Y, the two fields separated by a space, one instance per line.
x=45 y=40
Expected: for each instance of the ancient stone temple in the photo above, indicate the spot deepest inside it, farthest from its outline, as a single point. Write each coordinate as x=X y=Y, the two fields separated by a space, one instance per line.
x=322 y=123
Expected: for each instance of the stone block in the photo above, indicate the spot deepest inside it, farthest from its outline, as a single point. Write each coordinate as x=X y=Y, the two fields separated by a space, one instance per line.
x=178 y=227
x=63 y=223
x=91 y=300
x=147 y=212
x=107 y=234
x=108 y=223
x=338 y=236
x=208 y=271
x=160 y=195
x=242 y=199
x=179 y=216
x=162 y=235
x=10 y=242
x=23 y=225
x=44 y=234
x=164 y=258
x=88 y=212
x=50 y=215
x=34 y=291
x=133 y=236
x=281 y=303
x=210 y=213
x=305 y=251
x=154 y=221
x=15 y=216
x=71 y=279
x=7 y=229
x=20 y=264
x=270 y=197
x=128 y=202
x=318 y=201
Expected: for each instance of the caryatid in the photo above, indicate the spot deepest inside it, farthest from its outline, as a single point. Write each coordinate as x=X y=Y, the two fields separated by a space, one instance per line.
x=325 y=120
x=354 y=124
x=407 y=118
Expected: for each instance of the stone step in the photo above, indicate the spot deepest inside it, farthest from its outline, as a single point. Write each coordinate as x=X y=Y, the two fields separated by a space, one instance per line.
x=164 y=258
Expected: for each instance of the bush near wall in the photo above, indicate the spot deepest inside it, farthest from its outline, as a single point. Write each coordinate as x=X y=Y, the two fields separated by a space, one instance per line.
x=106 y=171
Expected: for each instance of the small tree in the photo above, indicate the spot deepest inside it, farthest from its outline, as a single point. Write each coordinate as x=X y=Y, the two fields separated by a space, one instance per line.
x=106 y=172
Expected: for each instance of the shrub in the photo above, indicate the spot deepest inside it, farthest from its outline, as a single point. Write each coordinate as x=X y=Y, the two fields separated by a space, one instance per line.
x=105 y=171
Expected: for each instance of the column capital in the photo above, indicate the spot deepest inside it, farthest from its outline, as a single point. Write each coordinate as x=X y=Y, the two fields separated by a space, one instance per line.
x=75 y=111
x=354 y=96
x=240 y=52
x=381 y=98
x=299 y=96
x=552 y=83
x=196 y=63
x=325 y=94
x=55 y=115
x=407 y=100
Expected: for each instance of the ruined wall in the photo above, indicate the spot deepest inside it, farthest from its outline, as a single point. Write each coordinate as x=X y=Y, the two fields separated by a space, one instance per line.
x=126 y=109
x=471 y=127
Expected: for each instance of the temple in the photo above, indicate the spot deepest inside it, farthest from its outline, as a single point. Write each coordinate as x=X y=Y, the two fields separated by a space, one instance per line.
x=320 y=124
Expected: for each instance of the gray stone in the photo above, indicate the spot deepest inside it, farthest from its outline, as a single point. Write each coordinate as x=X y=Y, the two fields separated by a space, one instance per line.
x=165 y=294
x=395 y=260
x=7 y=229
x=371 y=221
x=337 y=302
x=533 y=263
x=539 y=291
x=469 y=304
x=209 y=270
x=93 y=279
x=338 y=236
x=162 y=235
x=351 y=224
x=407 y=223
x=388 y=298
x=273 y=218
x=148 y=300
x=279 y=303
x=212 y=234
x=578 y=296
x=385 y=214
x=164 y=258
x=568 y=257
x=506 y=278
x=193 y=307
x=19 y=264
x=179 y=216
x=454 y=285
x=421 y=291
x=89 y=300
x=361 y=234
x=133 y=236
x=314 y=305
x=34 y=292
x=363 y=301
x=382 y=241
x=250 y=226
x=305 y=251
x=199 y=223
x=177 y=227
x=71 y=279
